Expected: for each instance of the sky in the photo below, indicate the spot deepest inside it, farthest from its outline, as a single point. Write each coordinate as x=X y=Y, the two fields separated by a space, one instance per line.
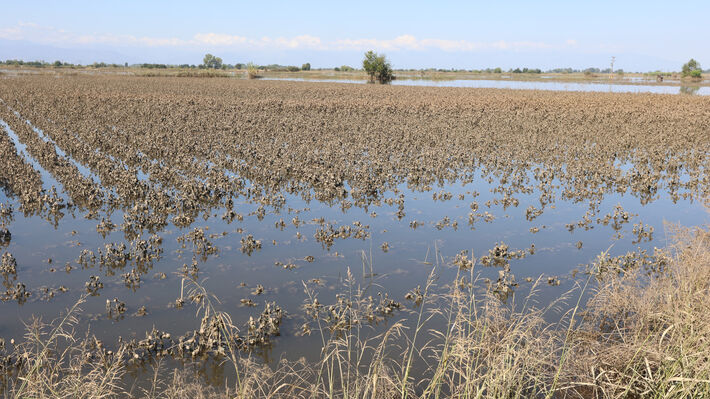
x=642 y=35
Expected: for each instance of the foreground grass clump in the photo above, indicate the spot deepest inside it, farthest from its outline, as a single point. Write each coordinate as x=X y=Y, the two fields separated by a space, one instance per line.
x=638 y=336
x=650 y=338
x=53 y=362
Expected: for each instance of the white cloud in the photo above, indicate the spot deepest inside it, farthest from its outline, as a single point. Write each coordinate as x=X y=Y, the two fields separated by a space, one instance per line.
x=218 y=39
x=409 y=42
x=298 y=42
x=31 y=32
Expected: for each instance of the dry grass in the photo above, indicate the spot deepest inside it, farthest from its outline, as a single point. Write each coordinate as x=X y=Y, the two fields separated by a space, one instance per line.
x=650 y=338
x=52 y=362
x=252 y=71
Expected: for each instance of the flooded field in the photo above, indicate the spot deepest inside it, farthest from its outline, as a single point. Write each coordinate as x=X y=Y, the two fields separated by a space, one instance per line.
x=281 y=198
x=533 y=85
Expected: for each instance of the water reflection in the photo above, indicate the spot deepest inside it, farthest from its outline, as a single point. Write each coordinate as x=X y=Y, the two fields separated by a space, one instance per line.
x=689 y=90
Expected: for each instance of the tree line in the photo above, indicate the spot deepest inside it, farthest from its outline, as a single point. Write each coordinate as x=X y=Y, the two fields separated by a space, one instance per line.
x=377 y=66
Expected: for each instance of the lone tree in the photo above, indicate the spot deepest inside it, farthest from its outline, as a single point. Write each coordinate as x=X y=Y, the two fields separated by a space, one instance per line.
x=377 y=67
x=692 y=69
x=306 y=66
x=210 y=61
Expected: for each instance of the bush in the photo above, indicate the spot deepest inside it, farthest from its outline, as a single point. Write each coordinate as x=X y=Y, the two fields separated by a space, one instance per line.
x=210 y=61
x=378 y=67
x=692 y=69
x=252 y=71
x=306 y=66
x=589 y=72
x=154 y=66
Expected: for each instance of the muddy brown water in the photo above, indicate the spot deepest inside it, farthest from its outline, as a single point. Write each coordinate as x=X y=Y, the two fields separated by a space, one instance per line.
x=382 y=249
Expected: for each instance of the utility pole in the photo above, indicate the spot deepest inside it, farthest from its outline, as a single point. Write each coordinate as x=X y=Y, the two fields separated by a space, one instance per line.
x=611 y=74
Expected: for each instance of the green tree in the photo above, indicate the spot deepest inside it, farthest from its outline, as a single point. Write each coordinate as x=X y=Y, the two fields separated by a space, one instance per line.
x=378 y=67
x=306 y=66
x=210 y=61
x=692 y=69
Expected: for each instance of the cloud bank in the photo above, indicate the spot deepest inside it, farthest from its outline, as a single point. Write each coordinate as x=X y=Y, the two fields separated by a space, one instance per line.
x=34 y=33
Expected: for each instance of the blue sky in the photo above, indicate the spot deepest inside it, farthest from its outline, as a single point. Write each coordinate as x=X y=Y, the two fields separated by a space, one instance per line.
x=643 y=35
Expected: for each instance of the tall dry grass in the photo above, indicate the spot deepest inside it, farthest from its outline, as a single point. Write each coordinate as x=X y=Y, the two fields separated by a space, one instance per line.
x=639 y=336
x=649 y=337
x=54 y=362
x=253 y=71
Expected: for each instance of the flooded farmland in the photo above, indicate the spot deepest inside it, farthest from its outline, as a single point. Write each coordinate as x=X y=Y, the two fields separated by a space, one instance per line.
x=611 y=87
x=148 y=195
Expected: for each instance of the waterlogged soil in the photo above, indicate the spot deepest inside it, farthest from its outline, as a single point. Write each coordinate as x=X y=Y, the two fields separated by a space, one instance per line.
x=128 y=188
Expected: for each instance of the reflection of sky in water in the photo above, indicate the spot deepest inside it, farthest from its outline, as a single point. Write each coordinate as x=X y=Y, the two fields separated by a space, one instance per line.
x=398 y=271
x=532 y=85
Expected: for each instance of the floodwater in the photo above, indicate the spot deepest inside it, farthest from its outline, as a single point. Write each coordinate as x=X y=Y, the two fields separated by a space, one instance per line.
x=532 y=85
x=404 y=266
